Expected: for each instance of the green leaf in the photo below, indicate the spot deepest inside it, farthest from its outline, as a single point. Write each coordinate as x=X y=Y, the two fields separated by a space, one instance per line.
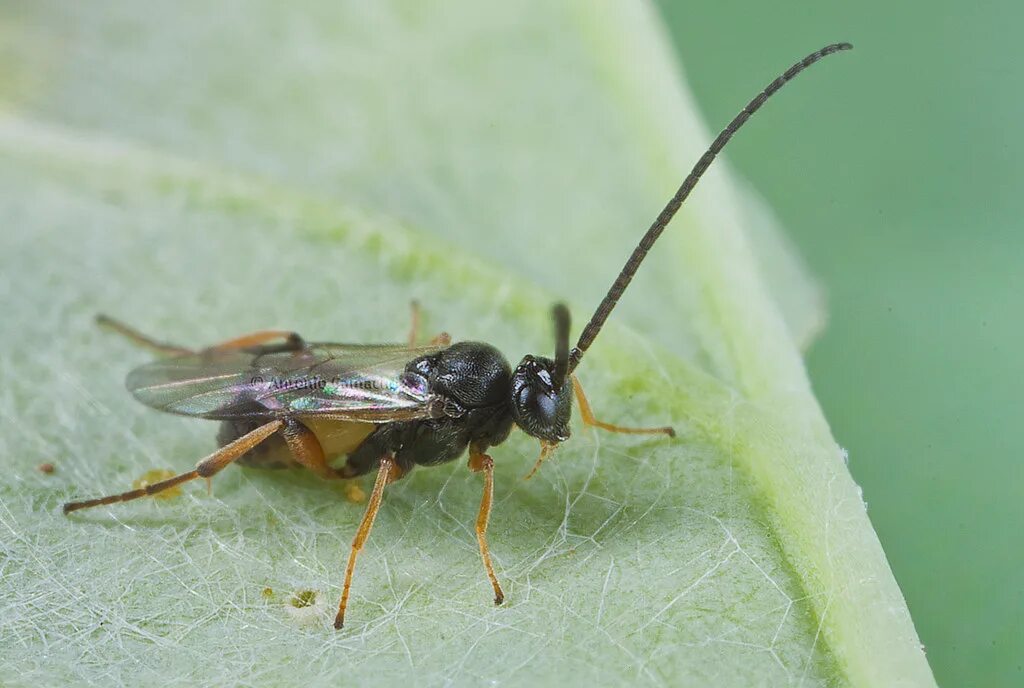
x=202 y=172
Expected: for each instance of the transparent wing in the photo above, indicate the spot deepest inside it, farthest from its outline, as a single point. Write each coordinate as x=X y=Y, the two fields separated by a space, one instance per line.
x=360 y=382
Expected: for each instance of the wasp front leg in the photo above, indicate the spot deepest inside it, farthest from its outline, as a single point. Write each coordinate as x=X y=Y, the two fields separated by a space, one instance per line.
x=587 y=416
x=479 y=462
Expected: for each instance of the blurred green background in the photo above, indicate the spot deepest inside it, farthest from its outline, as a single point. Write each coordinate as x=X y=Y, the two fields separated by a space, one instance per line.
x=905 y=198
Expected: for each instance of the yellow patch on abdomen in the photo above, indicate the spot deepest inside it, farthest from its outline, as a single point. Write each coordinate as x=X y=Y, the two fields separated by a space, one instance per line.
x=338 y=437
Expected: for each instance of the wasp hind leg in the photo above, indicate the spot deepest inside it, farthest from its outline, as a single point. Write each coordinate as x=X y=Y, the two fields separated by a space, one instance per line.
x=256 y=342
x=207 y=468
x=587 y=416
x=307 y=450
x=139 y=339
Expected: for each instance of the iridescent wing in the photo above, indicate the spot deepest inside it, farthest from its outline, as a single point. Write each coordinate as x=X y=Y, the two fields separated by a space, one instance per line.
x=357 y=382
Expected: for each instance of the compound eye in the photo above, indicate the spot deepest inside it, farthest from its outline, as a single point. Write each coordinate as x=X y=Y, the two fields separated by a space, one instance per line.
x=545 y=406
x=536 y=404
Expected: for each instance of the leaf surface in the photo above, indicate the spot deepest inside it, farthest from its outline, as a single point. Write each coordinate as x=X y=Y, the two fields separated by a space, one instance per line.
x=202 y=172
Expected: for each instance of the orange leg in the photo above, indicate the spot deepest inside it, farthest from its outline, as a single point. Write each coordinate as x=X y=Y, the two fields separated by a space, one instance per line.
x=478 y=461
x=545 y=451
x=258 y=340
x=387 y=473
x=140 y=339
x=307 y=450
x=207 y=468
x=414 y=325
x=292 y=341
x=587 y=415
x=443 y=339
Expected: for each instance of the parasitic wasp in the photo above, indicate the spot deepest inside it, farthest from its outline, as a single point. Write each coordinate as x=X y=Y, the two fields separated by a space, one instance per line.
x=283 y=401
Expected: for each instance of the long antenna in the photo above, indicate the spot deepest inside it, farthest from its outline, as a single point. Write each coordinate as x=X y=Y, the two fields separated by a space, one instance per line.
x=640 y=252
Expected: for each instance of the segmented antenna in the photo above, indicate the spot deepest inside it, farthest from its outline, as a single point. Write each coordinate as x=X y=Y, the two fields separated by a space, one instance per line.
x=640 y=252
x=560 y=313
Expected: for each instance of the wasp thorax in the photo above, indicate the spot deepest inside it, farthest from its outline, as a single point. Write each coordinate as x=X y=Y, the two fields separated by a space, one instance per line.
x=540 y=409
x=473 y=374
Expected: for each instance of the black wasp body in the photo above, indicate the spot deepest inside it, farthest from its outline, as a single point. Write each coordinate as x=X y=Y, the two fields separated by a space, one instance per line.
x=468 y=384
x=473 y=384
x=285 y=402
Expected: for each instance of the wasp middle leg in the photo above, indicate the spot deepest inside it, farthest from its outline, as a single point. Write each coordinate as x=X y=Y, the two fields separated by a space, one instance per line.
x=388 y=472
x=442 y=339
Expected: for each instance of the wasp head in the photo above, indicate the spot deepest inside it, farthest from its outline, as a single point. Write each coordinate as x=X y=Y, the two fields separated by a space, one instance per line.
x=542 y=388
x=541 y=402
